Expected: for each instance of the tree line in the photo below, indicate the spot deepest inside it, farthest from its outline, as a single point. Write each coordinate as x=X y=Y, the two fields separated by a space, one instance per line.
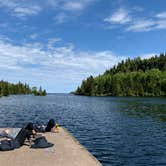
x=135 y=77
x=7 y=88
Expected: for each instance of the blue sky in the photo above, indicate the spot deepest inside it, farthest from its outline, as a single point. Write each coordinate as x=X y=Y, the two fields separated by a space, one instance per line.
x=58 y=43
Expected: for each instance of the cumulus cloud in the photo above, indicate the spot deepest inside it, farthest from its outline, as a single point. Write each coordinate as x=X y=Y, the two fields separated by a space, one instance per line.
x=74 y=6
x=69 y=9
x=61 y=18
x=8 y=3
x=65 y=55
x=65 y=64
x=52 y=42
x=26 y=11
x=20 y=8
x=161 y=24
x=53 y=66
x=121 y=16
x=23 y=8
x=60 y=68
x=161 y=15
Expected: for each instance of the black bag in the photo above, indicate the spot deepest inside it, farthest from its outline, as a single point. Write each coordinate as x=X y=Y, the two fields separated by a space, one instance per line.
x=6 y=145
x=41 y=142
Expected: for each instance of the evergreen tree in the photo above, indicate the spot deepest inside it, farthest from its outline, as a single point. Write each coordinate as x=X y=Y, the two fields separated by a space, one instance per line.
x=135 y=77
x=7 y=88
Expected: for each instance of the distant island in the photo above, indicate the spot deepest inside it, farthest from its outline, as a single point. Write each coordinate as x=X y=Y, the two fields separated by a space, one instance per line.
x=7 y=88
x=137 y=77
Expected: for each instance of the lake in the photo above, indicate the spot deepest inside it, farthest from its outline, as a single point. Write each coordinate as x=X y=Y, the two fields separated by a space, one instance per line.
x=116 y=130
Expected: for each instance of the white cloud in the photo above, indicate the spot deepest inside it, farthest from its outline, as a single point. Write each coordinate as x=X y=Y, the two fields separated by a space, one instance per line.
x=74 y=5
x=141 y=25
x=8 y=3
x=33 y=36
x=64 y=9
x=121 y=16
x=146 y=25
x=161 y=24
x=20 y=8
x=69 y=9
x=26 y=11
x=161 y=15
x=53 y=66
x=133 y=22
x=61 y=18
x=35 y=63
x=147 y=56
x=52 y=42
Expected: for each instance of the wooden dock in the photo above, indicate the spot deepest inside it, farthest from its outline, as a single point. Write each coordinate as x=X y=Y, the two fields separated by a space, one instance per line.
x=67 y=151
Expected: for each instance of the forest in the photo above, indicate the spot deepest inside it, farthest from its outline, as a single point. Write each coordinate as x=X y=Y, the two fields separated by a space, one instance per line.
x=7 y=88
x=132 y=77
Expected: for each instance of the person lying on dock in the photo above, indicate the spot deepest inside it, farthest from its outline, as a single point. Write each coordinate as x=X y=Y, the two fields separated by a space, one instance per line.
x=12 y=143
x=50 y=127
x=32 y=129
x=12 y=133
x=27 y=132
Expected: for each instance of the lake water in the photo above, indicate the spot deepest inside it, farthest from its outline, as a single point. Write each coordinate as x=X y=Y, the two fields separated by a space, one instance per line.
x=116 y=130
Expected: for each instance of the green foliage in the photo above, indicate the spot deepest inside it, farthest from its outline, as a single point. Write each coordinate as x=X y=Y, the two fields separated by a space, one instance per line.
x=7 y=88
x=138 y=64
x=130 y=78
x=39 y=92
x=87 y=87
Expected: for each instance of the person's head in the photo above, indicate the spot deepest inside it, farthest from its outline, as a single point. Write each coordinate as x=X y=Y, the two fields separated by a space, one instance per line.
x=29 y=127
x=50 y=125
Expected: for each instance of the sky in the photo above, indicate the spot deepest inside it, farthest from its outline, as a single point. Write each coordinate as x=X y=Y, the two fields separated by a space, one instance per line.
x=58 y=43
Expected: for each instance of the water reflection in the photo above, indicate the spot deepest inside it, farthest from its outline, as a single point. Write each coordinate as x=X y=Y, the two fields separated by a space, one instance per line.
x=145 y=109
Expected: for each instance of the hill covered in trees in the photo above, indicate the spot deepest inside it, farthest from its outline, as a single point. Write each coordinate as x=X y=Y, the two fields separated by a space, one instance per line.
x=135 y=77
x=7 y=88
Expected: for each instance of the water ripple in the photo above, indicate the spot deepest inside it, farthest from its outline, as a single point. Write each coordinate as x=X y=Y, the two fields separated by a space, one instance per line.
x=118 y=131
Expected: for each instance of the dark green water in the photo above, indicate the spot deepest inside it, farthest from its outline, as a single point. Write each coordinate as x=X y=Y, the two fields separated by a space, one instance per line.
x=117 y=130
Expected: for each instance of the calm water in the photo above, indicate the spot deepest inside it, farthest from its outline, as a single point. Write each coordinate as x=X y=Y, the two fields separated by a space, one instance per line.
x=118 y=131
